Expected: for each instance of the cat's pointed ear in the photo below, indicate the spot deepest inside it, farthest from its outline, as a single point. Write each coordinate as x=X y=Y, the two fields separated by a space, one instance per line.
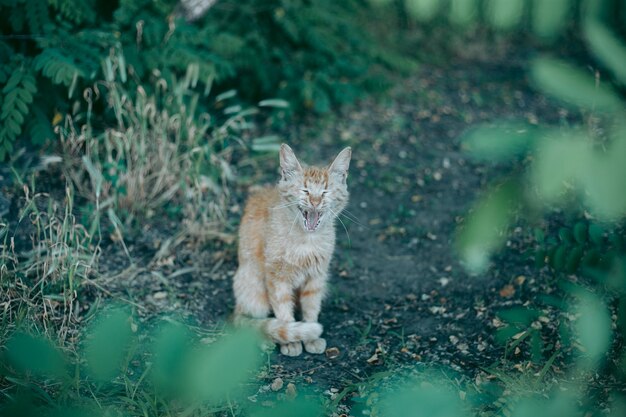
x=340 y=165
x=289 y=164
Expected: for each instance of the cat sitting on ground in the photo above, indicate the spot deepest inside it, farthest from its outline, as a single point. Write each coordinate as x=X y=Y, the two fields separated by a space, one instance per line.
x=286 y=241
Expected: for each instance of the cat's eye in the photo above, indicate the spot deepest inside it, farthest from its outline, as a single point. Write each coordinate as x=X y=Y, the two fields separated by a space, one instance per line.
x=324 y=192
x=305 y=191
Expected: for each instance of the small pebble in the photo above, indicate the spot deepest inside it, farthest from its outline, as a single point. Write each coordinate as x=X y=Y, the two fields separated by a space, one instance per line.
x=332 y=353
x=277 y=384
x=291 y=391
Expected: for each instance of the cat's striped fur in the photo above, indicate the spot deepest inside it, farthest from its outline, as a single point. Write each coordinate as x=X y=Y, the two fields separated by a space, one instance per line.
x=286 y=241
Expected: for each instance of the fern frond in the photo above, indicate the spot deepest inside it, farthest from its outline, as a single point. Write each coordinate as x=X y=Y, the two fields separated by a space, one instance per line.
x=37 y=15
x=60 y=68
x=77 y=11
x=16 y=18
x=6 y=67
x=17 y=95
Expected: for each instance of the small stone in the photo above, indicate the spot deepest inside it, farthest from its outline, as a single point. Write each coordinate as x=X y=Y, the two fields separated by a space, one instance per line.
x=159 y=295
x=291 y=391
x=277 y=384
x=332 y=353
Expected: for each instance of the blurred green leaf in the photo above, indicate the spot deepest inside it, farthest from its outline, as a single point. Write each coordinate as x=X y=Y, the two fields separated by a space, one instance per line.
x=566 y=162
x=89 y=411
x=172 y=346
x=562 y=405
x=499 y=143
x=580 y=232
x=593 y=326
x=379 y=3
x=609 y=50
x=421 y=399
x=519 y=315
x=422 y=10
x=574 y=257
x=504 y=14
x=485 y=227
x=216 y=372
x=463 y=12
x=270 y=143
x=595 y=9
x=559 y=159
x=565 y=234
x=107 y=344
x=606 y=179
x=596 y=234
x=550 y=17
x=36 y=356
x=572 y=85
x=300 y=407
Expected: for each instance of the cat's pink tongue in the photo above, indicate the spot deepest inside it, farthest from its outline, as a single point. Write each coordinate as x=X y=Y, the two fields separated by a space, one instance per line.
x=311 y=219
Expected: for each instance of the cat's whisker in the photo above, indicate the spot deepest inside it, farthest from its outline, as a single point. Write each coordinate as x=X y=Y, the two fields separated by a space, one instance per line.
x=350 y=215
x=353 y=220
x=295 y=219
x=342 y=223
x=292 y=203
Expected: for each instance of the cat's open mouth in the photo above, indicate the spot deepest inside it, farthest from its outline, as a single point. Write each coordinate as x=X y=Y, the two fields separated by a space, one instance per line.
x=312 y=219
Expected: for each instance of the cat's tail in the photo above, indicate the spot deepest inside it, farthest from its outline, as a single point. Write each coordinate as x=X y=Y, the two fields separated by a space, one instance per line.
x=282 y=331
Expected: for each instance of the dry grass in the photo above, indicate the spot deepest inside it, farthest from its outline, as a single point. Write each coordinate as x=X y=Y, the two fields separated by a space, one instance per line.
x=42 y=272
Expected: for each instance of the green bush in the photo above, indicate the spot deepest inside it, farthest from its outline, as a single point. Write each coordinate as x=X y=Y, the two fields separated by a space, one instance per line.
x=574 y=175
x=314 y=54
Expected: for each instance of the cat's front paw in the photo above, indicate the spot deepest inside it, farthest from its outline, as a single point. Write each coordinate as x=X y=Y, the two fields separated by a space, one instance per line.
x=291 y=349
x=316 y=346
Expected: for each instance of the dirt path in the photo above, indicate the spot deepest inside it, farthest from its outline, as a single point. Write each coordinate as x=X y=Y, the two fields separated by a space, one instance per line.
x=399 y=296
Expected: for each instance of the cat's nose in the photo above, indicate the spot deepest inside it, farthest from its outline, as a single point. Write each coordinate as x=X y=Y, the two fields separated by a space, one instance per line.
x=315 y=201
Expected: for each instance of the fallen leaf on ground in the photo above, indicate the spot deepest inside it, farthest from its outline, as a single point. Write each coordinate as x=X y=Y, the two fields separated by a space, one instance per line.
x=507 y=291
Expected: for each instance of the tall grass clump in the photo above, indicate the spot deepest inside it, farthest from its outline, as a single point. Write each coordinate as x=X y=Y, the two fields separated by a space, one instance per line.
x=46 y=256
x=159 y=153
x=141 y=157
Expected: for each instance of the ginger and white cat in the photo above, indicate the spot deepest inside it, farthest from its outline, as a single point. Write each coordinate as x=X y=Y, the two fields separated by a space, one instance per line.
x=286 y=241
